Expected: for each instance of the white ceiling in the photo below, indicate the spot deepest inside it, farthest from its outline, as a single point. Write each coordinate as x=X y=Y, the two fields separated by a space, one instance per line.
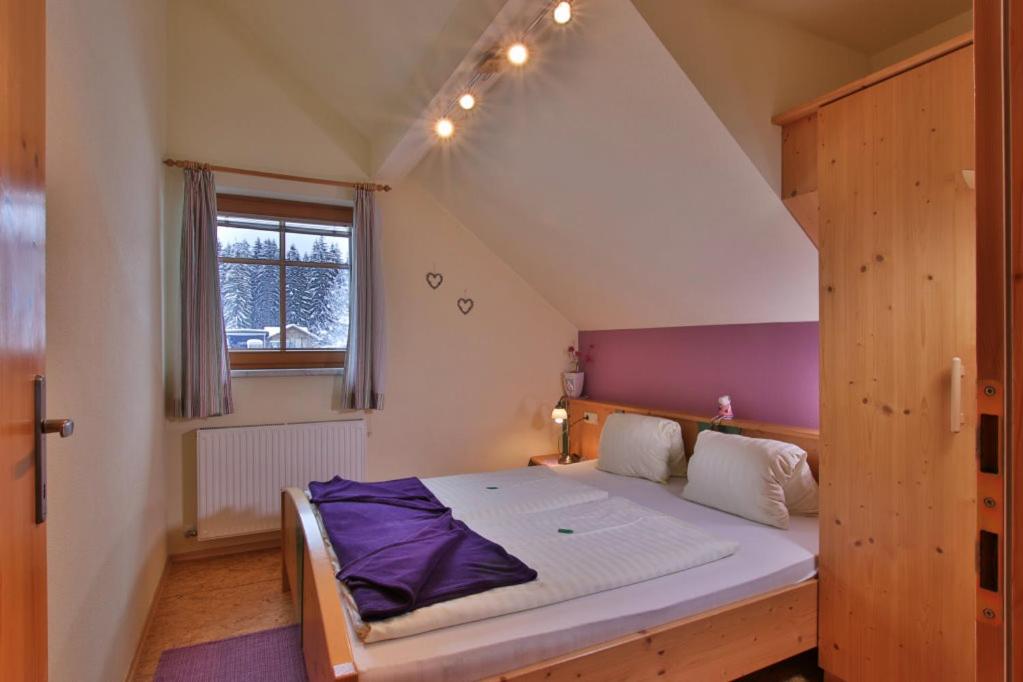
x=366 y=58
x=599 y=174
x=604 y=178
x=868 y=26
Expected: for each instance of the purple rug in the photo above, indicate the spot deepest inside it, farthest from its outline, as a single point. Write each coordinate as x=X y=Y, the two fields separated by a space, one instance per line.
x=267 y=656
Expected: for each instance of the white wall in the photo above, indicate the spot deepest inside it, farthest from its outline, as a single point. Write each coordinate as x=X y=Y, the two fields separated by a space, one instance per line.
x=750 y=67
x=464 y=393
x=951 y=28
x=232 y=104
x=105 y=126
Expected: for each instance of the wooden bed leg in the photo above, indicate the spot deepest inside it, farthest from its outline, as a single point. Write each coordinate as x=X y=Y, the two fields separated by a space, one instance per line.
x=309 y=576
x=291 y=550
x=285 y=548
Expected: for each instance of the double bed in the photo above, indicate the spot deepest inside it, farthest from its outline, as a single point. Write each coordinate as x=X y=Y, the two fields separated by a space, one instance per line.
x=718 y=620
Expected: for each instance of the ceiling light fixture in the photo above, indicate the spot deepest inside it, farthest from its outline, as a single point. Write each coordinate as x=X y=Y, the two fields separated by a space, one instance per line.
x=563 y=12
x=493 y=63
x=518 y=54
x=444 y=128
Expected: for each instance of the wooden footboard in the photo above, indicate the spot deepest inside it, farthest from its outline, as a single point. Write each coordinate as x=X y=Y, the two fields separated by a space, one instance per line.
x=309 y=576
x=720 y=644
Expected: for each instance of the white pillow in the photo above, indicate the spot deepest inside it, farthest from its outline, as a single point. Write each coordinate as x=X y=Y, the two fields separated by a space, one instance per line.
x=637 y=445
x=801 y=491
x=747 y=476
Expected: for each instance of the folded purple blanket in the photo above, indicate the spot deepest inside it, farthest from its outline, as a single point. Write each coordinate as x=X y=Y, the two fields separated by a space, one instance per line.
x=400 y=549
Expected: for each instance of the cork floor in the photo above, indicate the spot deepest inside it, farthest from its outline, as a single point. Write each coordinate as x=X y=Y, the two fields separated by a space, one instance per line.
x=208 y=599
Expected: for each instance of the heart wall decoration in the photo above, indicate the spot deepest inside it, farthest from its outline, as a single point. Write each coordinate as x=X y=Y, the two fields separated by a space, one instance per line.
x=465 y=305
x=434 y=279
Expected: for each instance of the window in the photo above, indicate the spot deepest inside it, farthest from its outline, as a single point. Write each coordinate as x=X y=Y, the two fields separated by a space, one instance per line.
x=285 y=271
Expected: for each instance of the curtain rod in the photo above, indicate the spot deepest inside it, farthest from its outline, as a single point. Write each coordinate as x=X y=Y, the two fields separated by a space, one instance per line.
x=372 y=187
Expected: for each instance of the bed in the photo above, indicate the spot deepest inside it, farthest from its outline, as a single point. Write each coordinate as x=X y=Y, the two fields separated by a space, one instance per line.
x=719 y=620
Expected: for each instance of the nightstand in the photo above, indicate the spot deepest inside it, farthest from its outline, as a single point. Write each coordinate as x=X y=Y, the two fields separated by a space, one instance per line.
x=550 y=460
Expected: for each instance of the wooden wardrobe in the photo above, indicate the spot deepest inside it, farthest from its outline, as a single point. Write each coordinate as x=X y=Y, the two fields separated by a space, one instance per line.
x=896 y=230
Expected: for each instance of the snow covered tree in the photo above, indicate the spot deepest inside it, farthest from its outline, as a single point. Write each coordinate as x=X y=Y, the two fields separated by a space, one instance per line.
x=236 y=287
x=296 y=290
x=337 y=329
x=319 y=285
x=266 y=288
x=316 y=297
x=328 y=295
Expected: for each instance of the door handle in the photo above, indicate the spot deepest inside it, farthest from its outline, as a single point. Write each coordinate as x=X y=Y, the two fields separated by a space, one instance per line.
x=957 y=418
x=65 y=427
x=44 y=426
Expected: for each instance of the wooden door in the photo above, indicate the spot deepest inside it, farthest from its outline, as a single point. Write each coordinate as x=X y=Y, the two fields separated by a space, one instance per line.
x=22 y=320
x=1013 y=187
x=992 y=325
x=898 y=516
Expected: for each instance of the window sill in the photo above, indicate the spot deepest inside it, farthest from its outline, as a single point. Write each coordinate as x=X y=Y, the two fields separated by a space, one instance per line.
x=297 y=372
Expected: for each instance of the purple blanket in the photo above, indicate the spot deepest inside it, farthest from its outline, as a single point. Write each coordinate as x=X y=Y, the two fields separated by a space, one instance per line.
x=400 y=548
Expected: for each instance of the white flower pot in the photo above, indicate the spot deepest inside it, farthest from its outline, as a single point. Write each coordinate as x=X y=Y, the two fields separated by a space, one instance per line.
x=572 y=382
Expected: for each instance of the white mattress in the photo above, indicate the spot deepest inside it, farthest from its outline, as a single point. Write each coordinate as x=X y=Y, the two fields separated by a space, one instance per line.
x=768 y=558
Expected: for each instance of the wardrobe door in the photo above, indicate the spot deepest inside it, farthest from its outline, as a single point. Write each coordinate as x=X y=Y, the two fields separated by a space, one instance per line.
x=898 y=515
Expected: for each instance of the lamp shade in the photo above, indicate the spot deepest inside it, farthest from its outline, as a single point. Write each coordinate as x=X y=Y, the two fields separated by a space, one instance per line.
x=559 y=415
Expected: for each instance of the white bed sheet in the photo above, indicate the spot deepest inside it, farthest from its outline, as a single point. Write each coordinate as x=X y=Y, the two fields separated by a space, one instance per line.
x=614 y=542
x=499 y=494
x=768 y=558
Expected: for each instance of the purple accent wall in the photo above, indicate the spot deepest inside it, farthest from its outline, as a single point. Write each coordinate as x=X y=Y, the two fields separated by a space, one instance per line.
x=770 y=370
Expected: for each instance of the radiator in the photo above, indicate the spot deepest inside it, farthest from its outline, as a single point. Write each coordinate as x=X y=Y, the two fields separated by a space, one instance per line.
x=241 y=471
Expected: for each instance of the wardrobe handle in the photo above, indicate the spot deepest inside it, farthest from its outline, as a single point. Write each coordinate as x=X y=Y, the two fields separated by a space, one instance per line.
x=957 y=416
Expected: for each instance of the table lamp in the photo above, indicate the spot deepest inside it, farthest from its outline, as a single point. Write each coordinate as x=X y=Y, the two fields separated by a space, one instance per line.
x=560 y=416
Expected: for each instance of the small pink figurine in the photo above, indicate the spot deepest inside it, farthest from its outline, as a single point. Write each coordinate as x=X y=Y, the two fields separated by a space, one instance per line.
x=724 y=410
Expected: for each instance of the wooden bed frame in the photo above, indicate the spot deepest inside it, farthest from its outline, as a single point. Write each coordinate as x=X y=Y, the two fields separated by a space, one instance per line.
x=720 y=644
x=585 y=436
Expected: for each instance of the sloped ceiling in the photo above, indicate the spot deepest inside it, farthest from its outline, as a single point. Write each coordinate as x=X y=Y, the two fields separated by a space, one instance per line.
x=250 y=112
x=603 y=177
x=865 y=25
x=601 y=174
x=375 y=64
x=749 y=67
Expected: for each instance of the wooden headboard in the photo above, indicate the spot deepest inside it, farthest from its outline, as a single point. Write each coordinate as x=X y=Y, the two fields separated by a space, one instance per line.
x=585 y=437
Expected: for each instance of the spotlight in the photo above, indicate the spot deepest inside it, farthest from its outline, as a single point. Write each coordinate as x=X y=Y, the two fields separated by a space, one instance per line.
x=467 y=101
x=444 y=128
x=563 y=12
x=518 y=54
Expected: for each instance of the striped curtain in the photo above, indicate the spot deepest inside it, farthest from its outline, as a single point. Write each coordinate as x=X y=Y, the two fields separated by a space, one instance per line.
x=205 y=365
x=363 y=383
